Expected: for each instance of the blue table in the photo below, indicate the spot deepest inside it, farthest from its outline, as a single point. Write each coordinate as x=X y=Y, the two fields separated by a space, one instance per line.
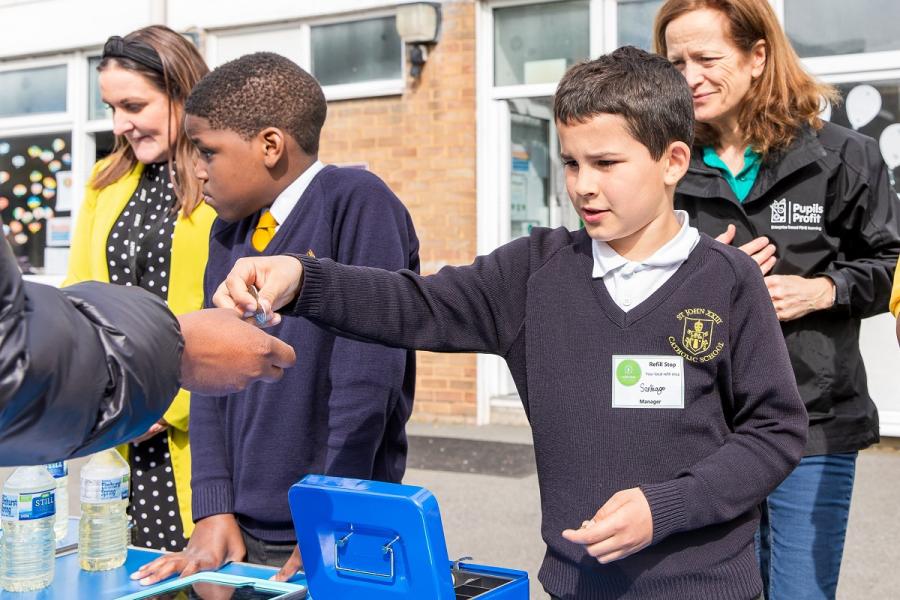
x=70 y=582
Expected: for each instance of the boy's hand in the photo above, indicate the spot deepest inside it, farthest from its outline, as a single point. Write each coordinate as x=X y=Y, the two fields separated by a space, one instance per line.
x=760 y=250
x=278 y=279
x=620 y=528
x=215 y=541
x=291 y=567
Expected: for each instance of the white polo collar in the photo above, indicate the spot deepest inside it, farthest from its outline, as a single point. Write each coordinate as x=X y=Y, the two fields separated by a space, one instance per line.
x=673 y=252
x=289 y=196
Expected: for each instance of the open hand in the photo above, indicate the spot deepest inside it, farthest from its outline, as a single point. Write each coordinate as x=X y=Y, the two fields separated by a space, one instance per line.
x=216 y=540
x=291 y=567
x=794 y=296
x=759 y=249
x=622 y=526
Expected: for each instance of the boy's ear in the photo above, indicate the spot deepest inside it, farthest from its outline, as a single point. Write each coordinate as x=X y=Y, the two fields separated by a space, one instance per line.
x=677 y=157
x=272 y=143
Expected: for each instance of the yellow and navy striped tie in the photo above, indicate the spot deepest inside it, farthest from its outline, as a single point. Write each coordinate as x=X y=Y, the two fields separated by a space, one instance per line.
x=265 y=231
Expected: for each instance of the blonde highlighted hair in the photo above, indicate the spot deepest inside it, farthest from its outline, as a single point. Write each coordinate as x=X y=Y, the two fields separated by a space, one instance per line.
x=182 y=68
x=783 y=99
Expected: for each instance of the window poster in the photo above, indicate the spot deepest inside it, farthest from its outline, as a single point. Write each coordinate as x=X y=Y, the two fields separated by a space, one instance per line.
x=28 y=191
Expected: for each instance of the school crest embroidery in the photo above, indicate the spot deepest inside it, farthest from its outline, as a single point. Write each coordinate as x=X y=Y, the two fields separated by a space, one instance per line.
x=698 y=341
x=697 y=335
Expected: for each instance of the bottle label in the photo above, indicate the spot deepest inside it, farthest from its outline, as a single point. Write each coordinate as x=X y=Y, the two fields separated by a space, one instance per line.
x=58 y=469
x=29 y=507
x=98 y=491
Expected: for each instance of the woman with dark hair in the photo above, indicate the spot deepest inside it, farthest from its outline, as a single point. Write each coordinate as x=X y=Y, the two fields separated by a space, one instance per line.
x=812 y=202
x=143 y=223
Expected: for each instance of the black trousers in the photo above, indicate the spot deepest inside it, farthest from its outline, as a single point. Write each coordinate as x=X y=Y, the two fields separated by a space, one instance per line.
x=264 y=553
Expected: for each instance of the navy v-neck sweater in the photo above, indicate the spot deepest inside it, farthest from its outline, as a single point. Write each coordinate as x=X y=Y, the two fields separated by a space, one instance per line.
x=703 y=468
x=342 y=409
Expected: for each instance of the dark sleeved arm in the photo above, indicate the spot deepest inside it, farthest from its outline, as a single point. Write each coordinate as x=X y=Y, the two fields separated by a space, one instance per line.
x=81 y=369
x=212 y=488
x=769 y=423
x=476 y=308
x=372 y=228
x=869 y=224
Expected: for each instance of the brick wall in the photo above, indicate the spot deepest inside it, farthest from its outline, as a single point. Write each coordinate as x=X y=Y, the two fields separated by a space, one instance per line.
x=423 y=145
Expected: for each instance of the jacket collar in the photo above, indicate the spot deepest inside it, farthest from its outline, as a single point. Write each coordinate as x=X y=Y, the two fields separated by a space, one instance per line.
x=708 y=182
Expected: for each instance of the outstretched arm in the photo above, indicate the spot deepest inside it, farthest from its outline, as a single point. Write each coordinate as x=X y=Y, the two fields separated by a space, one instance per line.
x=95 y=365
x=80 y=369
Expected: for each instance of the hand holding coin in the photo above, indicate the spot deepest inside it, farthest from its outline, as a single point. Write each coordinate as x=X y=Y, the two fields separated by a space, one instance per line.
x=260 y=315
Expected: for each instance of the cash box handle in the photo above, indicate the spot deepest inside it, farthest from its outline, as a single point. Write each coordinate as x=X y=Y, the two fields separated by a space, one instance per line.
x=386 y=549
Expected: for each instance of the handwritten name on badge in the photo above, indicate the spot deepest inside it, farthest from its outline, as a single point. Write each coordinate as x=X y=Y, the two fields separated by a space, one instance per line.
x=647 y=381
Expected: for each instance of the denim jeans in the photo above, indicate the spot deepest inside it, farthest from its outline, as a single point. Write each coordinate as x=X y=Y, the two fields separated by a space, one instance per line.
x=801 y=535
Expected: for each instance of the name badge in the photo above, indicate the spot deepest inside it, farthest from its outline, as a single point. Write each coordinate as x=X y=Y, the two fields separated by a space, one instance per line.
x=647 y=381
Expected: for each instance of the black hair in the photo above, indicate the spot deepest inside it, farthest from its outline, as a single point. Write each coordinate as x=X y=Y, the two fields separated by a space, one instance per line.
x=643 y=88
x=261 y=90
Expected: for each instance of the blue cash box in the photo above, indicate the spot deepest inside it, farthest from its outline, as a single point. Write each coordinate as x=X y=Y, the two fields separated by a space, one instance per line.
x=383 y=541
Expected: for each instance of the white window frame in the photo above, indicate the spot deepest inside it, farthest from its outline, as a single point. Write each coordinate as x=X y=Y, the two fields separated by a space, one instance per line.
x=365 y=89
x=28 y=121
x=493 y=167
x=846 y=64
x=878 y=344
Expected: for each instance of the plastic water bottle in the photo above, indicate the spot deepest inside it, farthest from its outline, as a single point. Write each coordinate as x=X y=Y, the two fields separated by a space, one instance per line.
x=103 y=529
x=29 y=504
x=60 y=472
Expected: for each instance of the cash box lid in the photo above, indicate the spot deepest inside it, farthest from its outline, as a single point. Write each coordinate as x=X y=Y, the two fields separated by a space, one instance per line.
x=370 y=539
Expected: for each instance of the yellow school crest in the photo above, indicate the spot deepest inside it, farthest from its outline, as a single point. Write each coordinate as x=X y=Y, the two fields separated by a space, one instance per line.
x=697 y=335
x=700 y=341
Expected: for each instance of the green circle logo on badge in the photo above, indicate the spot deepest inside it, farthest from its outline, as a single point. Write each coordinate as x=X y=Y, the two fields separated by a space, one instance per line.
x=628 y=372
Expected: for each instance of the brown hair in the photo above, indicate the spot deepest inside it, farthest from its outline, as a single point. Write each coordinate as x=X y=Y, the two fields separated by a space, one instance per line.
x=182 y=68
x=783 y=98
x=643 y=88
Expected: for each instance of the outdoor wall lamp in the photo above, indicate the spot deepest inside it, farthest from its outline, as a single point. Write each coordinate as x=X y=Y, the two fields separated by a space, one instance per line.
x=418 y=25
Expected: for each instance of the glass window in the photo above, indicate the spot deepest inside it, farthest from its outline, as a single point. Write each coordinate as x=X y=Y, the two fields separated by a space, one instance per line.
x=357 y=51
x=97 y=109
x=104 y=144
x=537 y=192
x=634 y=21
x=35 y=184
x=826 y=27
x=872 y=108
x=536 y=43
x=285 y=42
x=33 y=91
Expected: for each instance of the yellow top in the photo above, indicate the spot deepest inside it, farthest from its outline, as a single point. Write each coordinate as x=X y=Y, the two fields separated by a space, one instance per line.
x=895 y=293
x=190 y=248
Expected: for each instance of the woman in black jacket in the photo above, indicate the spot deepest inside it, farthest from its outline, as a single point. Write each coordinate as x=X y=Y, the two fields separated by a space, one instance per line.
x=94 y=365
x=812 y=202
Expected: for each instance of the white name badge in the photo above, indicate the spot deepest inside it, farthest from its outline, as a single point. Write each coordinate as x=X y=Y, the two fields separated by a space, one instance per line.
x=647 y=381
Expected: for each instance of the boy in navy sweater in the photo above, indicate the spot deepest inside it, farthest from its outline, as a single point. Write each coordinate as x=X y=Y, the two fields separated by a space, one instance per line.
x=648 y=357
x=342 y=409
